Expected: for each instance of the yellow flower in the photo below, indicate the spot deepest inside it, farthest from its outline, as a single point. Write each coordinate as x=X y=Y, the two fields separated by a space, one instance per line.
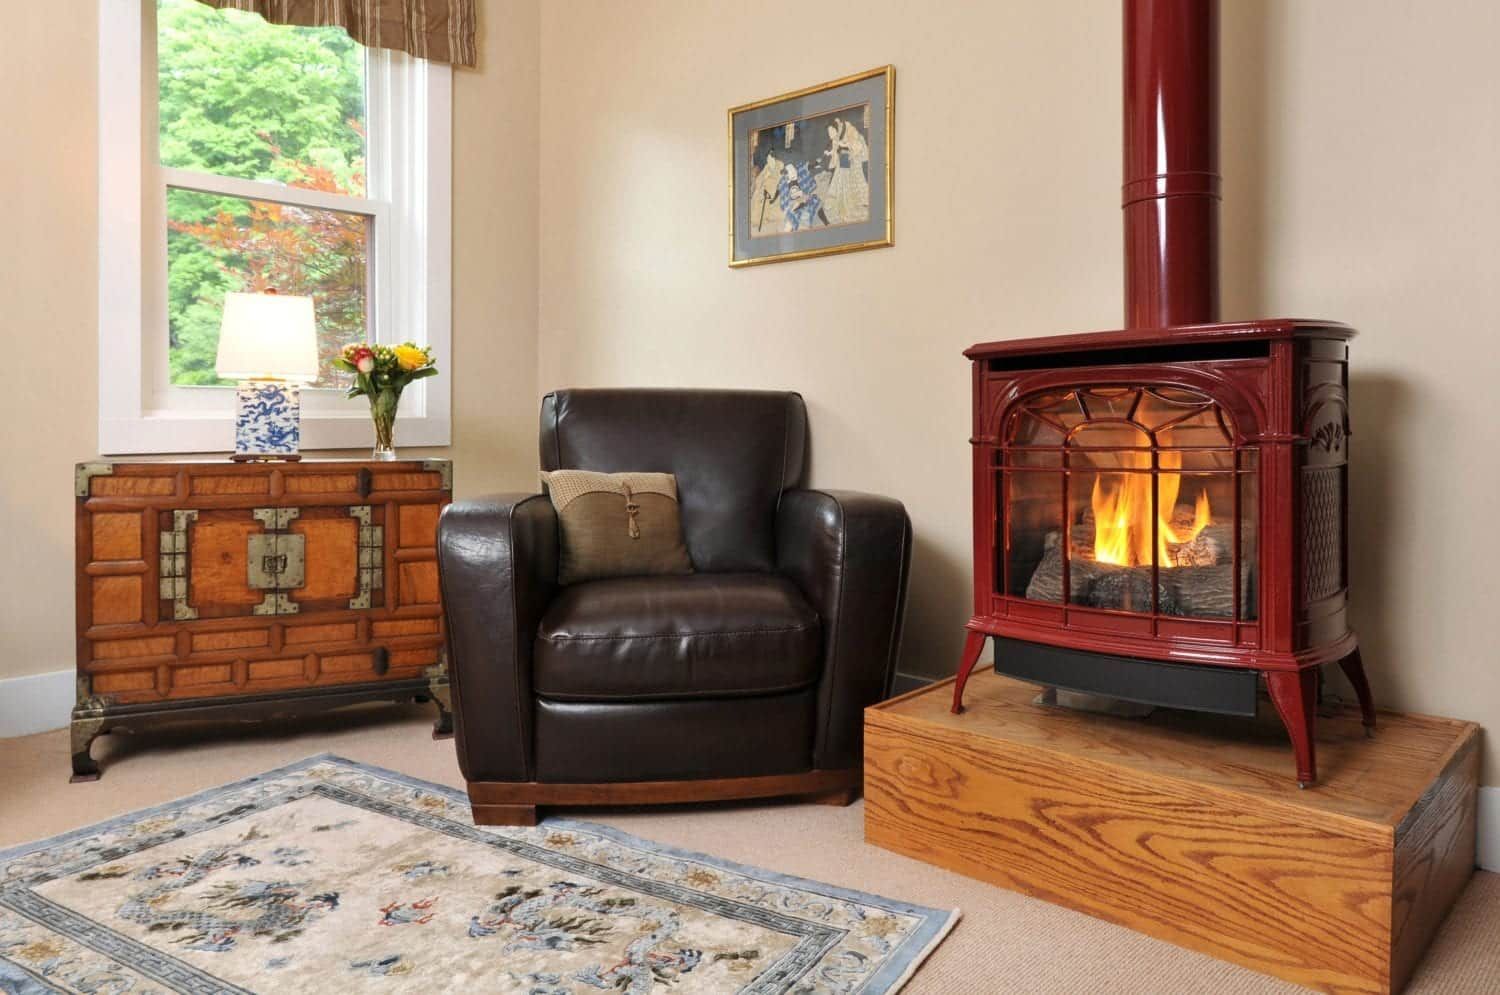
x=410 y=357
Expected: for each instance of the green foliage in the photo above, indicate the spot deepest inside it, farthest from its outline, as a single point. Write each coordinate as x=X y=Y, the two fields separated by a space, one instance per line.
x=228 y=81
x=240 y=97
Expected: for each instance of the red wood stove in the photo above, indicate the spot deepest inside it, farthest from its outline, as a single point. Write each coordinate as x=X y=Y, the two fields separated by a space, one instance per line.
x=1160 y=513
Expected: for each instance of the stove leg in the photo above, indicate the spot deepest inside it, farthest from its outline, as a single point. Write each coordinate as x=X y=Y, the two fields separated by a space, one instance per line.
x=973 y=647
x=1295 y=695
x=1354 y=669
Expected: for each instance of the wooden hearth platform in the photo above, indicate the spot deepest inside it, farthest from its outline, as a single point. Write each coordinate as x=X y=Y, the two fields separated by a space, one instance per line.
x=1189 y=827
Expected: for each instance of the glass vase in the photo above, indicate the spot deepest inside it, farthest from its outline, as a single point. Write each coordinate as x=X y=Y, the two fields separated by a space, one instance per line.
x=383 y=404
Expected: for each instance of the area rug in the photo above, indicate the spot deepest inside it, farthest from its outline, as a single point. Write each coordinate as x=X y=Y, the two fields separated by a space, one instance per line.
x=331 y=876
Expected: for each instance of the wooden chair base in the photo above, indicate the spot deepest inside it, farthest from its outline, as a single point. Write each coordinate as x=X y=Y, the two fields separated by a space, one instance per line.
x=515 y=803
x=504 y=815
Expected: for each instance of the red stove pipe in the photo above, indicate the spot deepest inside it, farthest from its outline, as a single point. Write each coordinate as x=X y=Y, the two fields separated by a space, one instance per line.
x=1170 y=196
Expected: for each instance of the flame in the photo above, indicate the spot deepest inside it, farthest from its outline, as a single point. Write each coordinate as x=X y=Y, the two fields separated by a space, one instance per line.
x=1122 y=515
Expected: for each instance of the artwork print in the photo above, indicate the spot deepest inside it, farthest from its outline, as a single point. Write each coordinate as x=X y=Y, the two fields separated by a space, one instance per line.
x=811 y=171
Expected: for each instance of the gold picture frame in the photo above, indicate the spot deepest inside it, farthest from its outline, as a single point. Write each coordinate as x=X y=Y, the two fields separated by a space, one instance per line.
x=808 y=230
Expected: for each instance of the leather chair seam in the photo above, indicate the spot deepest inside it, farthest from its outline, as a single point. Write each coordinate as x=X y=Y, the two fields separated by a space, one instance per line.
x=569 y=697
x=515 y=617
x=675 y=635
x=832 y=664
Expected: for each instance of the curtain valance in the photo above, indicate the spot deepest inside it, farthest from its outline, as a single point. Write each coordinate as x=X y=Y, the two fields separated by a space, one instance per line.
x=439 y=30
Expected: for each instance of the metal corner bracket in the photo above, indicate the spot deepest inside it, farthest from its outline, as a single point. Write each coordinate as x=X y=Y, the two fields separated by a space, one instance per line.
x=84 y=472
x=444 y=467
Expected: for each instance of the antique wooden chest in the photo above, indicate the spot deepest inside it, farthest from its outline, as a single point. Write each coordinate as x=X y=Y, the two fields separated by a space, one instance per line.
x=216 y=589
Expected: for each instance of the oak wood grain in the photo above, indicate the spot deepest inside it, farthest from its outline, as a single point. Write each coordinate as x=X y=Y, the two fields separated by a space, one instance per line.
x=1185 y=827
x=1434 y=857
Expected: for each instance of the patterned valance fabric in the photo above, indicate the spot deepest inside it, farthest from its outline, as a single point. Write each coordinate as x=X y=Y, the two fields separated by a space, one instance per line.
x=438 y=30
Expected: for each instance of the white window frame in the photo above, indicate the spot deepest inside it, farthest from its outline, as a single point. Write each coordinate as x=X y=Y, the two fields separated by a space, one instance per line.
x=410 y=111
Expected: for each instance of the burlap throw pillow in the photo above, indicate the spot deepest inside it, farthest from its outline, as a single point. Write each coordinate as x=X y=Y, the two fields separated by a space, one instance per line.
x=616 y=524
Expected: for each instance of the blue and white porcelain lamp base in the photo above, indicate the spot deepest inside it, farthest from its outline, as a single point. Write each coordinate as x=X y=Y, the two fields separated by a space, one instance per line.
x=267 y=421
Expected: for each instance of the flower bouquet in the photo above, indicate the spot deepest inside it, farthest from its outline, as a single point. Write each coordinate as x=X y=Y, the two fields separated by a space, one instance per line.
x=381 y=373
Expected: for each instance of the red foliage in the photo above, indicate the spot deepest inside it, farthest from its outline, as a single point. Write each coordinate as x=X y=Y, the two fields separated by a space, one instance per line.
x=298 y=250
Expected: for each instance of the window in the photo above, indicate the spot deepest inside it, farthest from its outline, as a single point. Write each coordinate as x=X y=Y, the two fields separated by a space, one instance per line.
x=242 y=155
x=239 y=99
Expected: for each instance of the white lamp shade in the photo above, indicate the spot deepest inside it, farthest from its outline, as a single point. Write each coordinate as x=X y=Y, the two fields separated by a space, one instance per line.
x=268 y=337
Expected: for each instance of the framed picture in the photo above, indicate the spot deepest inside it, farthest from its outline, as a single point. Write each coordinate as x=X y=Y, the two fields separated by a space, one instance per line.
x=810 y=171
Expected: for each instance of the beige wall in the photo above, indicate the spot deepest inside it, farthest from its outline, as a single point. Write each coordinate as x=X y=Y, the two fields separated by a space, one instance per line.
x=1360 y=166
x=1360 y=162
x=48 y=275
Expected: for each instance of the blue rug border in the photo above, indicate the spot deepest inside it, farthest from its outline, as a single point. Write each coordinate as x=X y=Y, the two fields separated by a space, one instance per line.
x=21 y=849
x=936 y=923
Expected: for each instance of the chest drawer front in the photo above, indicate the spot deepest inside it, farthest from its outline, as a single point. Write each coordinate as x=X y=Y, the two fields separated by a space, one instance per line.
x=276 y=560
x=210 y=580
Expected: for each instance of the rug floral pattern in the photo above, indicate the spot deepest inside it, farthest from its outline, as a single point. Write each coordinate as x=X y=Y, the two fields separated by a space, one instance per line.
x=332 y=876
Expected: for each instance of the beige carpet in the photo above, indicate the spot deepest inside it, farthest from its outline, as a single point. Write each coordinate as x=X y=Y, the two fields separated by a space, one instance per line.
x=1004 y=943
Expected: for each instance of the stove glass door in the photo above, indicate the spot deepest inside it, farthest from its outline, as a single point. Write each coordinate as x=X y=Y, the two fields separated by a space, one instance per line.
x=1128 y=499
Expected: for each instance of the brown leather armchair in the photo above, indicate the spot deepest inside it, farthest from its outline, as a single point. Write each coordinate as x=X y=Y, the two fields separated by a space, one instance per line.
x=747 y=678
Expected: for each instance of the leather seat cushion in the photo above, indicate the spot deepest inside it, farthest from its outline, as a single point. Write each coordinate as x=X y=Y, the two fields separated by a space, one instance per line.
x=671 y=637
x=602 y=741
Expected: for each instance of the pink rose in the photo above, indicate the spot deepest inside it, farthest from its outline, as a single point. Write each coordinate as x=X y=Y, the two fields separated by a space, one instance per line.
x=363 y=359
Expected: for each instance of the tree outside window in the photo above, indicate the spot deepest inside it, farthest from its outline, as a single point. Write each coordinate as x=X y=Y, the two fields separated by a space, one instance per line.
x=241 y=98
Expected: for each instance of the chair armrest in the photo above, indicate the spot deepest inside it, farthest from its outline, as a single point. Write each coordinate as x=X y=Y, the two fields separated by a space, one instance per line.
x=497 y=567
x=849 y=553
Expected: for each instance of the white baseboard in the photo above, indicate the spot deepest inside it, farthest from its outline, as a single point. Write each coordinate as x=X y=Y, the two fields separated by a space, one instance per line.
x=36 y=703
x=1488 y=855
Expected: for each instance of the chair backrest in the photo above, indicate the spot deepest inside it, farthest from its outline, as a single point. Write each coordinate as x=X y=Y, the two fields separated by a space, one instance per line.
x=733 y=453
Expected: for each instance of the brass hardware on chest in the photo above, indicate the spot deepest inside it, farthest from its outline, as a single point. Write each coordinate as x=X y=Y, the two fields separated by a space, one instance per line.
x=276 y=561
x=173 y=574
x=84 y=472
x=442 y=467
x=371 y=556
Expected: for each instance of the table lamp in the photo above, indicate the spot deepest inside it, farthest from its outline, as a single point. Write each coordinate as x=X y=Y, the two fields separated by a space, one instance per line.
x=268 y=342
